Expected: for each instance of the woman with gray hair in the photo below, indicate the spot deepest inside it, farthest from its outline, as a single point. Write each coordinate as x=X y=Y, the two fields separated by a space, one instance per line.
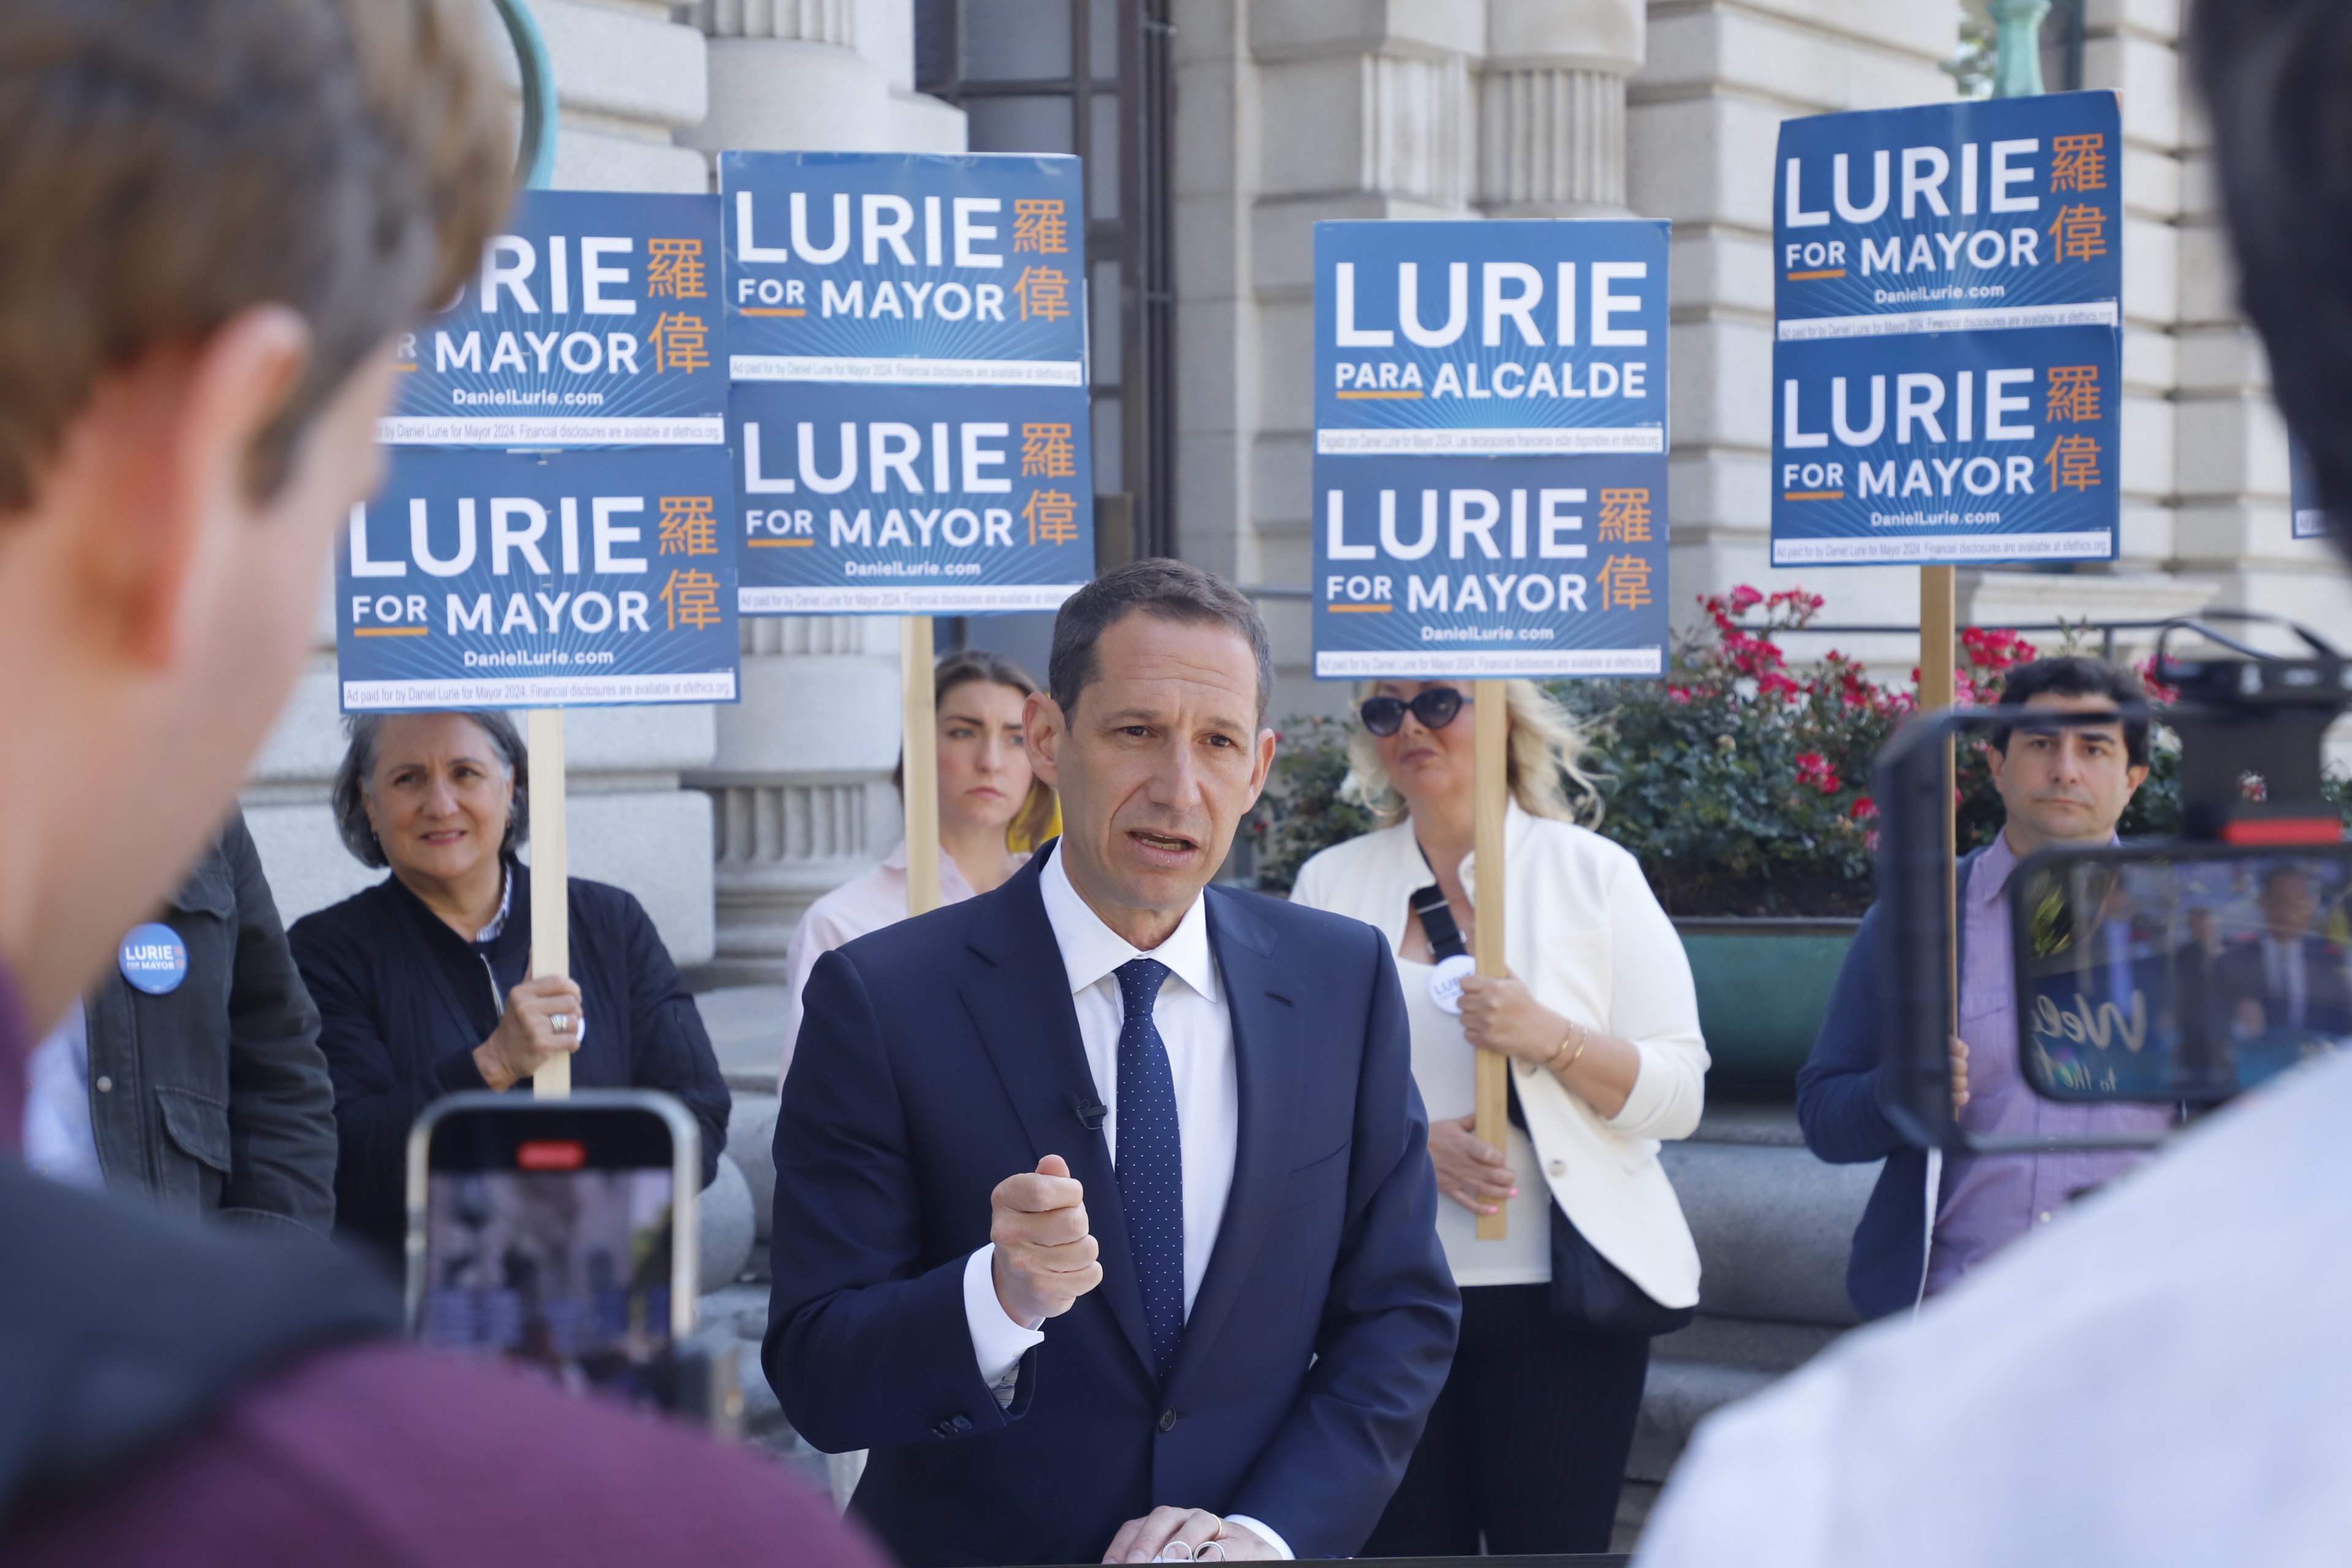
x=1525 y=1447
x=423 y=981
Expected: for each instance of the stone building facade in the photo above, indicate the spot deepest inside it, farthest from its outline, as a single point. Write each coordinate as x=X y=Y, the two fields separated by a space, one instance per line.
x=1280 y=112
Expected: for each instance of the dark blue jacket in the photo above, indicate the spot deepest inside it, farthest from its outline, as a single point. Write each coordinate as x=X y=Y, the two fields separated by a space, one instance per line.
x=404 y=1000
x=941 y=1055
x=1838 y=1106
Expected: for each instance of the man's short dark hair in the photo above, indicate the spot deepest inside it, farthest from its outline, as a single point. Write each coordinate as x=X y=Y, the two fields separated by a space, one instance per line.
x=2075 y=675
x=172 y=162
x=2272 y=73
x=1169 y=589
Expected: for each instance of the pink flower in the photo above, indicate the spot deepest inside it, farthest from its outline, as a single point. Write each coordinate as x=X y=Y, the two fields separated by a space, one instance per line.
x=1865 y=808
x=1816 y=770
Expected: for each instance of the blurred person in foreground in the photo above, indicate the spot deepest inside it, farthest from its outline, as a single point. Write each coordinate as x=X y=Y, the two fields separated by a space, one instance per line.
x=219 y=218
x=1104 y=1214
x=195 y=1081
x=2161 y=1379
x=424 y=982
x=1931 y=1221
x=990 y=799
x=1526 y=1449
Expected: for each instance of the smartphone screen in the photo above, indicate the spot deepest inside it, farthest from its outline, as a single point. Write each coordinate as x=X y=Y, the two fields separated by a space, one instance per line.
x=551 y=1238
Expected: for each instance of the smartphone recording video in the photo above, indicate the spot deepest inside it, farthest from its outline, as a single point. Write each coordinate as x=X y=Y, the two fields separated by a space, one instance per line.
x=556 y=1237
x=2182 y=973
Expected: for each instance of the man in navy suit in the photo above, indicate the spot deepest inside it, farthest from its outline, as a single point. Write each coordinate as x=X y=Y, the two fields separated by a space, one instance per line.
x=1104 y=1213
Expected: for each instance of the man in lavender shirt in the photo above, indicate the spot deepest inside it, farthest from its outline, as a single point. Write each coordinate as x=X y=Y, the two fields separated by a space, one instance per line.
x=220 y=219
x=1930 y=1222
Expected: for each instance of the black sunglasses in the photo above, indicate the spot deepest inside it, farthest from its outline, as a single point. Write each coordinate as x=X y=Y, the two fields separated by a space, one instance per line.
x=1435 y=708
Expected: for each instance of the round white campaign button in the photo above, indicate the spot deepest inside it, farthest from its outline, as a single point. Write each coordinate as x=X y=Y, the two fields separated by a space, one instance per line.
x=1445 y=982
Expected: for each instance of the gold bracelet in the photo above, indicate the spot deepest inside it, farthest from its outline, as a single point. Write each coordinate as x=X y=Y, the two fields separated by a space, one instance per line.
x=1583 y=1038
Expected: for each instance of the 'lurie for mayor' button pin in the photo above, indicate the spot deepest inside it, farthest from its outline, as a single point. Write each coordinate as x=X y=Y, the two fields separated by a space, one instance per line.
x=154 y=959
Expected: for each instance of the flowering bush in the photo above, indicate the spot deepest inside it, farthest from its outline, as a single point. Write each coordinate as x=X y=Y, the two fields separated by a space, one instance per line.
x=1743 y=786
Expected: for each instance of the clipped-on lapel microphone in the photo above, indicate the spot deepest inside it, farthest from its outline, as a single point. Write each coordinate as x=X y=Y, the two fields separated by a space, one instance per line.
x=1089 y=1111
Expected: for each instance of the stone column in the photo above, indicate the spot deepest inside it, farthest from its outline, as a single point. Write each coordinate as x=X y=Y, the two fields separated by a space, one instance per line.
x=1551 y=107
x=626 y=79
x=800 y=778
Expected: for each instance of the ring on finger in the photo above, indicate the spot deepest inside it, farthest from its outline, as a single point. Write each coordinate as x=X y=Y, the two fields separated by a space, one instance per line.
x=1200 y=1553
x=1176 y=1551
x=561 y=1023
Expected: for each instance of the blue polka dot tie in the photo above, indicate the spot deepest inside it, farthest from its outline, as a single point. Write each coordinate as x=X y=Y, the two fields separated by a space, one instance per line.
x=1151 y=1161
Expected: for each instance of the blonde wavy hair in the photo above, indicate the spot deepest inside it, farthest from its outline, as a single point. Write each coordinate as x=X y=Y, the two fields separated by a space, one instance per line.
x=1545 y=750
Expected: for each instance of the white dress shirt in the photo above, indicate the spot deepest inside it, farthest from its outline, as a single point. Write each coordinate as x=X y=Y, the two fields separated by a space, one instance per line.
x=1198 y=1030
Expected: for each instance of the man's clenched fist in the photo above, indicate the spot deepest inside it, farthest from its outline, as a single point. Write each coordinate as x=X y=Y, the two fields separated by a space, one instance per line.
x=1044 y=1253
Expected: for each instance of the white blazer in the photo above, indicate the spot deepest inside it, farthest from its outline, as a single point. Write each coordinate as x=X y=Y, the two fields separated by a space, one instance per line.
x=1586 y=934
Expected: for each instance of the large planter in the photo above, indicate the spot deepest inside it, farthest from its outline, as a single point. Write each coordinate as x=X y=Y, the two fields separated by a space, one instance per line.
x=1763 y=987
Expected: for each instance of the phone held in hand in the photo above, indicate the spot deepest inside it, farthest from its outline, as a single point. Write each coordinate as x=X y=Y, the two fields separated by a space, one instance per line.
x=560 y=1238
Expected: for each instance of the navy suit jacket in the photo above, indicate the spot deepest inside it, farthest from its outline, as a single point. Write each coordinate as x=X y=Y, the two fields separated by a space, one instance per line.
x=941 y=1055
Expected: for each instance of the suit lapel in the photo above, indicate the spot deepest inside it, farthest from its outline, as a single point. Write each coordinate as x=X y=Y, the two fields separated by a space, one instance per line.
x=1020 y=1004
x=1266 y=1067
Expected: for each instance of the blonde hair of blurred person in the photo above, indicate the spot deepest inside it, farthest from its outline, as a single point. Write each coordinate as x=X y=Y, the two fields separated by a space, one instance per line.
x=1600 y=1021
x=990 y=801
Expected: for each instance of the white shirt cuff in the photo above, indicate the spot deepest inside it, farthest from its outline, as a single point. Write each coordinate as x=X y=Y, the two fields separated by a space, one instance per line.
x=998 y=1342
x=1265 y=1531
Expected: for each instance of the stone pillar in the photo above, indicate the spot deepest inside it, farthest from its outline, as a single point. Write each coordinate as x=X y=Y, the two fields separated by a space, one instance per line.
x=800 y=776
x=626 y=79
x=1551 y=107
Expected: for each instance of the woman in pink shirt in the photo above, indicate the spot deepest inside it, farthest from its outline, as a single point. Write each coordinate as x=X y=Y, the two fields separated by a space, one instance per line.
x=989 y=802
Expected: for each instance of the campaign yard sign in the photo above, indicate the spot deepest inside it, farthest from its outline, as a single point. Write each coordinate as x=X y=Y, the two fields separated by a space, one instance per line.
x=571 y=579
x=1490 y=449
x=1949 y=343
x=907 y=339
x=593 y=322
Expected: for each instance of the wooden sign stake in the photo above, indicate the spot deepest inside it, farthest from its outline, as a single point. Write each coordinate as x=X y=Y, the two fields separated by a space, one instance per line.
x=1490 y=708
x=550 y=891
x=1938 y=655
x=922 y=754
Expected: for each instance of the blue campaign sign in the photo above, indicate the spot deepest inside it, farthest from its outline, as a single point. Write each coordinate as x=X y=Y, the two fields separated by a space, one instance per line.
x=1490 y=449
x=906 y=269
x=878 y=500
x=1986 y=215
x=593 y=322
x=509 y=580
x=1969 y=448
x=1490 y=340
x=1949 y=353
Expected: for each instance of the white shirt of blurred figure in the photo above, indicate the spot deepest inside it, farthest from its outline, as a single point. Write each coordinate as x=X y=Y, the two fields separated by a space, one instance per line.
x=2161 y=1377
x=860 y=905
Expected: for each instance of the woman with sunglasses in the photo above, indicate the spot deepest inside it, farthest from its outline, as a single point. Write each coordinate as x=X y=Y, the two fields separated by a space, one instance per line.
x=1526 y=1446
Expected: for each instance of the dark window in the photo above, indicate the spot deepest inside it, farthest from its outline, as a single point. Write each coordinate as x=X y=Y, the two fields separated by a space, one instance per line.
x=1088 y=76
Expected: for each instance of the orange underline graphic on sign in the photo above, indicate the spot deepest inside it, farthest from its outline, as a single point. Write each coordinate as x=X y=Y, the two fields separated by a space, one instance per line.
x=1359 y=609
x=1810 y=276
x=409 y=369
x=795 y=309
x=1376 y=395
x=388 y=631
x=781 y=544
x=1814 y=495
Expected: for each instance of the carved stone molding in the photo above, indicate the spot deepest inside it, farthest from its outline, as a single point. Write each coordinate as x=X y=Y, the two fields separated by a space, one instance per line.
x=804 y=21
x=1552 y=142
